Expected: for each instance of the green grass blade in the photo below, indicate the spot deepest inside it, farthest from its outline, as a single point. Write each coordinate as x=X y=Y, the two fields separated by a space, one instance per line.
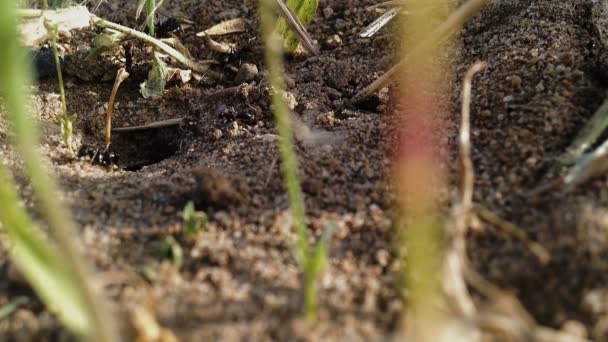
x=311 y=261
x=150 y=5
x=281 y=115
x=8 y=309
x=319 y=254
x=40 y=264
x=590 y=133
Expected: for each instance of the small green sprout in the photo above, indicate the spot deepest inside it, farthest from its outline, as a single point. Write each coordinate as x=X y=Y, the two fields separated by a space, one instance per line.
x=9 y=308
x=104 y=42
x=172 y=249
x=313 y=261
x=194 y=221
x=65 y=121
x=157 y=78
x=148 y=272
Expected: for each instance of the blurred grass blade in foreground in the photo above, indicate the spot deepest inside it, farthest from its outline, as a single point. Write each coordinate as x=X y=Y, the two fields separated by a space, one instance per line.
x=41 y=265
x=418 y=177
x=57 y=273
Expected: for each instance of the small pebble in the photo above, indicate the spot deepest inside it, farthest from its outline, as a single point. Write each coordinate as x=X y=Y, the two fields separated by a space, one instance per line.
x=575 y=328
x=290 y=100
x=247 y=73
x=216 y=134
x=515 y=81
x=334 y=41
x=289 y=82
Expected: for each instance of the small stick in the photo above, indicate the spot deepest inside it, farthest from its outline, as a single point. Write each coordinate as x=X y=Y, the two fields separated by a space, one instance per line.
x=455 y=260
x=507 y=227
x=451 y=25
x=121 y=75
x=153 y=125
x=270 y=171
x=468 y=174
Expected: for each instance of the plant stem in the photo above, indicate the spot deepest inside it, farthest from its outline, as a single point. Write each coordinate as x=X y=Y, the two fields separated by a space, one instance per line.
x=273 y=56
x=53 y=32
x=281 y=115
x=310 y=283
x=198 y=67
x=121 y=75
x=150 y=6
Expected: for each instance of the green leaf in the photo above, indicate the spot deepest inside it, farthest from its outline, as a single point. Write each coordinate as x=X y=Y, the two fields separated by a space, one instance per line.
x=103 y=42
x=39 y=262
x=66 y=123
x=157 y=78
x=194 y=221
x=9 y=308
x=173 y=250
x=148 y=272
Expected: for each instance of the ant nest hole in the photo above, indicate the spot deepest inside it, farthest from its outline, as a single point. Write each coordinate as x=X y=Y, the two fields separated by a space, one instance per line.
x=132 y=150
x=137 y=149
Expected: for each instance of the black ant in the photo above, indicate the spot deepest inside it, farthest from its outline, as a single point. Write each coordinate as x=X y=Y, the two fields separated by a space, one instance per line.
x=99 y=156
x=163 y=27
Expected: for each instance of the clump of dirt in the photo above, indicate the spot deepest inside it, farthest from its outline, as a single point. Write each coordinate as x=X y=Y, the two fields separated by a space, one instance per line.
x=546 y=76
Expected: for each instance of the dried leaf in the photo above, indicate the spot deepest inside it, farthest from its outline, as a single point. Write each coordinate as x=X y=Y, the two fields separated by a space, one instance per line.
x=32 y=31
x=227 y=48
x=177 y=44
x=179 y=74
x=225 y=27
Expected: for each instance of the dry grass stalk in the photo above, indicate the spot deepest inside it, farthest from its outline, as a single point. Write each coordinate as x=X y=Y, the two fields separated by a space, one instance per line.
x=450 y=26
x=455 y=262
x=121 y=75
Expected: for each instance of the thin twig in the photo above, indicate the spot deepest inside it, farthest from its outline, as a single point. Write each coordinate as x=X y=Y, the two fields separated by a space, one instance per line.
x=121 y=75
x=450 y=26
x=507 y=227
x=270 y=171
x=468 y=174
x=456 y=262
x=153 y=125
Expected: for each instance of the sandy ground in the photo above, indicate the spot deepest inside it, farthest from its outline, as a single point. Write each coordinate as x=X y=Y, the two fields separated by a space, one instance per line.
x=547 y=74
